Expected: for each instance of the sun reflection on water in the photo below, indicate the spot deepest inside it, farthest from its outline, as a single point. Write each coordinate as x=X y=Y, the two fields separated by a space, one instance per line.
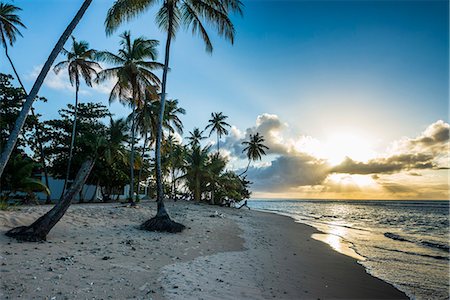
x=335 y=240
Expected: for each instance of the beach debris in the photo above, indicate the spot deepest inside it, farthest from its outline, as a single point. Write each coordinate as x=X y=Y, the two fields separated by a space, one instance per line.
x=106 y=257
x=67 y=259
x=217 y=215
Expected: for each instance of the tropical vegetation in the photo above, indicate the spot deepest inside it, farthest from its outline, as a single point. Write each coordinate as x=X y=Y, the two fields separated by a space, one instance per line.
x=87 y=145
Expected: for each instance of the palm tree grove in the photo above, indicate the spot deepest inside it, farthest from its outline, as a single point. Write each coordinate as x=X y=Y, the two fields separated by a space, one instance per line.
x=87 y=146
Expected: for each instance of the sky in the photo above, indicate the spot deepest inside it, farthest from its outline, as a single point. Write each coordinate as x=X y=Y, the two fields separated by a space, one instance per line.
x=352 y=97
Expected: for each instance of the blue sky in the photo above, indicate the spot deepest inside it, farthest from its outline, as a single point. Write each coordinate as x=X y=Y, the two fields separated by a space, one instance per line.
x=379 y=69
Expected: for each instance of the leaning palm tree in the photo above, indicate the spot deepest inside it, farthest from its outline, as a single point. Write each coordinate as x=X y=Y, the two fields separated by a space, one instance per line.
x=9 y=23
x=217 y=123
x=254 y=149
x=195 y=137
x=20 y=121
x=79 y=63
x=133 y=72
x=192 y=14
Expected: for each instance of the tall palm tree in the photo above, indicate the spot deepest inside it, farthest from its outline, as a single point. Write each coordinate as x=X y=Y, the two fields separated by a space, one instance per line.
x=217 y=123
x=192 y=14
x=133 y=69
x=20 y=121
x=195 y=137
x=9 y=23
x=254 y=149
x=79 y=63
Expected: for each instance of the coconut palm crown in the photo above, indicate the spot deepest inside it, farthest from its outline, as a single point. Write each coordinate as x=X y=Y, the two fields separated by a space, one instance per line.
x=195 y=137
x=9 y=24
x=254 y=148
x=217 y=123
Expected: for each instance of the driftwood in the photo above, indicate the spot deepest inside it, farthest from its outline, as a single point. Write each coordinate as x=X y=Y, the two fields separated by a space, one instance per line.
x=38 y=231
x=245 y=204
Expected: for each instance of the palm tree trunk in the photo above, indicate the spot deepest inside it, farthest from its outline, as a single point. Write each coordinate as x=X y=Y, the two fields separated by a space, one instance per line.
x=72 y=140
x=133 y=132
x=143 y=153
x=162 y=221
x=38 y=231
x=218 y=149
x=38 y=133
x=20 y=121
x=246 y=169
x=159 y=184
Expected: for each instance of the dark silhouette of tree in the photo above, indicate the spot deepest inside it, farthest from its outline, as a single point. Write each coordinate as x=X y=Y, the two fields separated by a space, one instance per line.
x=254 y=149
x=217 y=123
x=195 y=137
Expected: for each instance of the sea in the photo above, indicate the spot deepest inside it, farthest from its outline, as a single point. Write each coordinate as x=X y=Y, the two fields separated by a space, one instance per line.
x=405 y=243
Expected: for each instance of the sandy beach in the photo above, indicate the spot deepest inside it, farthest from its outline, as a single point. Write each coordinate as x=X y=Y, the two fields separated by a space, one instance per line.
x=97 y=252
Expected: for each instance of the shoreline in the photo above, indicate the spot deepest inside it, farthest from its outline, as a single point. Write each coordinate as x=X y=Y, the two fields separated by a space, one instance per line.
x=97 y=251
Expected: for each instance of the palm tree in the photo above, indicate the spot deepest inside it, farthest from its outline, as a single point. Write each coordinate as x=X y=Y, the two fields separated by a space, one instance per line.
x=254 y=148
x=9 y=23
x=20 y=121
x=192 y=13
x=146 y=120
x=196 y=170
x=195 y=137
x=171 y=113
x=79 y=63
x=134 y=76
x=217 y=123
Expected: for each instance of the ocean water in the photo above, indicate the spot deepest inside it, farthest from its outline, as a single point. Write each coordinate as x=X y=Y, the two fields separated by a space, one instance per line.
x=405 y=243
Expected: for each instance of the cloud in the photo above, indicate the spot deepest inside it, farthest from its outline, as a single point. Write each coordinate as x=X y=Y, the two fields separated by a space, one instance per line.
x=289 y=171
x=267 y=125
x=61 y=82
x=295 y=164
x=389 y=165
x=427 y=151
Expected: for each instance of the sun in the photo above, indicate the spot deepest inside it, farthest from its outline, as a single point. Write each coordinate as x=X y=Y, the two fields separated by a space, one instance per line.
x=340 y=145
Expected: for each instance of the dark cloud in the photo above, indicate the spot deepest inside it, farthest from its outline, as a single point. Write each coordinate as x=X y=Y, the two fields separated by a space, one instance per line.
x=392 y=164
x=289 y=172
